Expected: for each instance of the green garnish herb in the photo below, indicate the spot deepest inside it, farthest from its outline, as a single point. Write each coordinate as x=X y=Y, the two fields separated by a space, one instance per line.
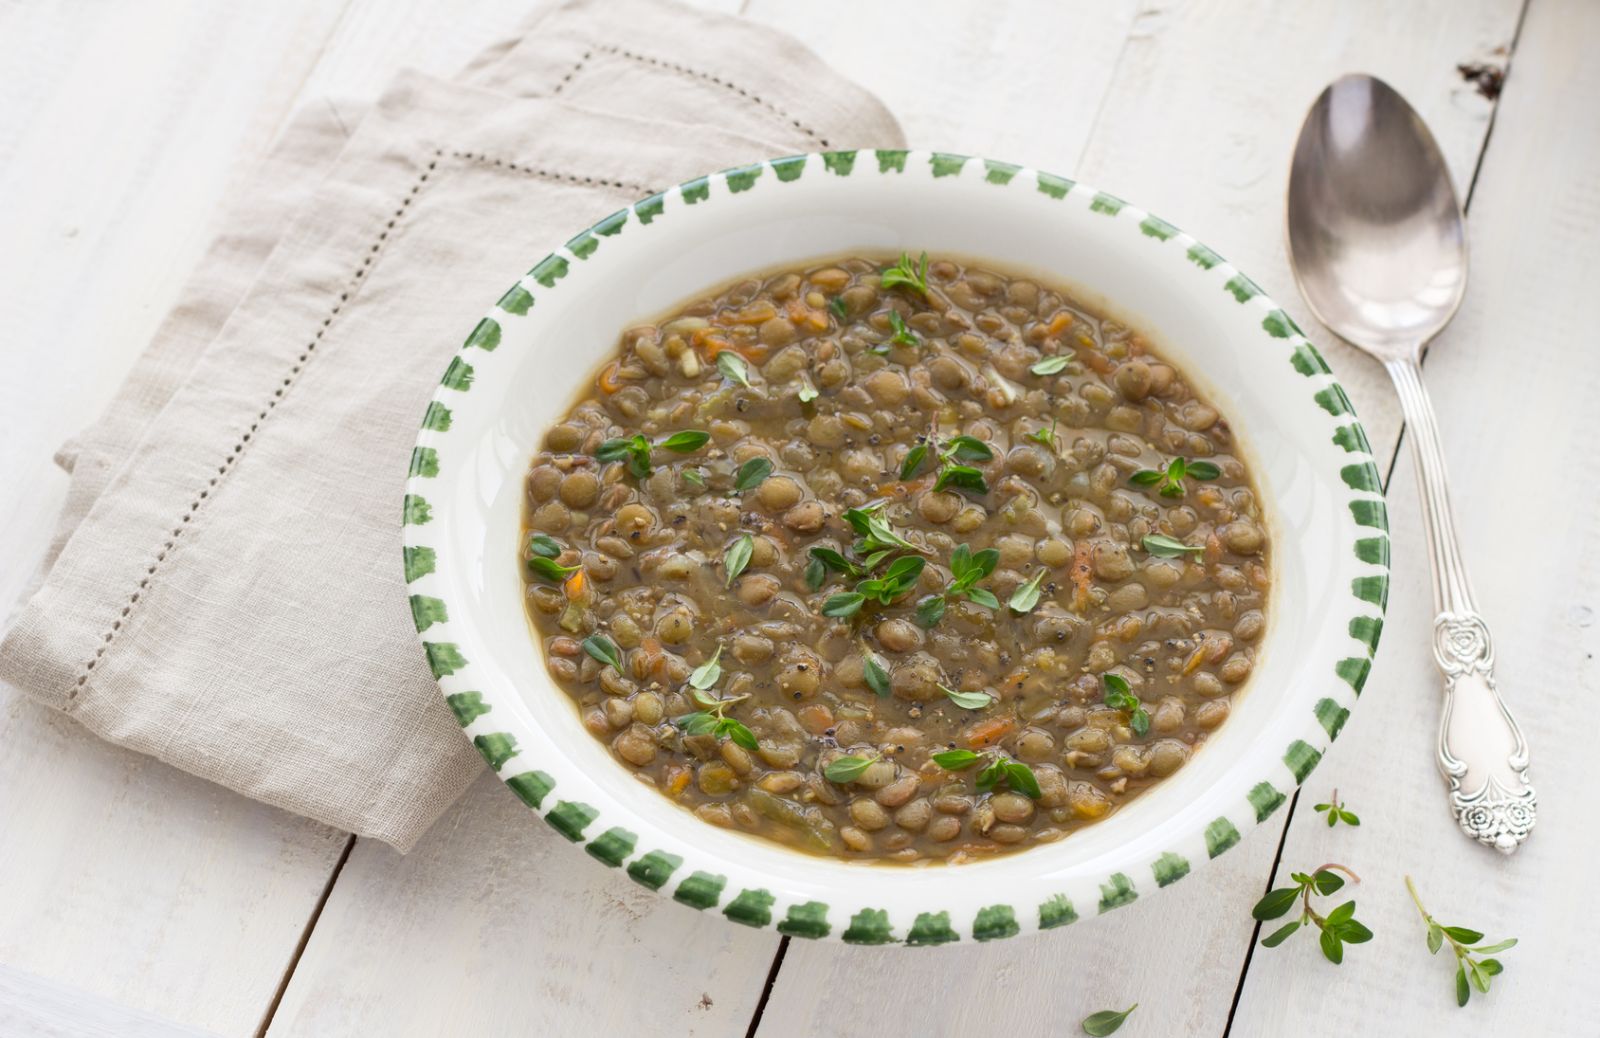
x=1339 y=927
x=714 y=724
x=840 y=309
x=903 y=335
x=604 y=650
x=1024 y=598
x=807 y=392
x=711 y=721
x=1337 y=813
x=686 y=442
x=635 y=450
x=962 y=477
x=967 y=448
x=1105 y=1022
x=1164 y=547
x=848 y=769
x=966 y=569
x=694 y=478
x=708 y=673
x=1013 y=773
x=897 y=581
x=544 y=544
x=1052 y=365
x=816 y=574
x=877 y=677
x=969 y=700
x=1044 y=436
x=907 y=274
x=828 y=559
x=751 y=474
x=1169 y=482
x=874 y=535
x=737 y=557
x=914 y=459
x=1000 y=769
x=956 y=760
x=733 y=368
x=951 y=473
x=550 y=569
x=1471 y=972
x=1119 y=696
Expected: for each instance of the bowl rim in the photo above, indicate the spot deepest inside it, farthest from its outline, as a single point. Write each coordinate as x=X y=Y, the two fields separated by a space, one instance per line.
x=693 y=877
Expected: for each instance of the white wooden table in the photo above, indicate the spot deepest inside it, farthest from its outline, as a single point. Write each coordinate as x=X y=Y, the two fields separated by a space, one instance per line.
x=136 y=900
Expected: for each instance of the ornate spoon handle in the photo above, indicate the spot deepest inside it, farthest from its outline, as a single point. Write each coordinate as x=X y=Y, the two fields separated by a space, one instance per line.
x=1481 y=751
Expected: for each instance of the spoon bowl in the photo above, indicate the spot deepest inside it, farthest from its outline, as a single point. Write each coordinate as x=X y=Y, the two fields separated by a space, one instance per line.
x=1376 y=236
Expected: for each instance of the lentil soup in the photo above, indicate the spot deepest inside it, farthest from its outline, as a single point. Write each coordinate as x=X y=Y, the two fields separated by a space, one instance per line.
x=897 y=560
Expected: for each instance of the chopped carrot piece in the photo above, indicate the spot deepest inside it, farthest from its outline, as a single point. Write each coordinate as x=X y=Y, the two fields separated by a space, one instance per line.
x=609 y=383
x=1098 y=361
x=575 y=585
x=899 y=489
x=1081 y=575
x=754 y=352
x=988 y=731
x=1059 y=323
x=678 y=782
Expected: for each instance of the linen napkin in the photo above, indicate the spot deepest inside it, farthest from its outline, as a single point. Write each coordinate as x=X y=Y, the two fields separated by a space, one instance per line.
x=225 y=590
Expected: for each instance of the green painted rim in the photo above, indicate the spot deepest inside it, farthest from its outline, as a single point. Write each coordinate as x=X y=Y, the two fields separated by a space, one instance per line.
x=694 y=883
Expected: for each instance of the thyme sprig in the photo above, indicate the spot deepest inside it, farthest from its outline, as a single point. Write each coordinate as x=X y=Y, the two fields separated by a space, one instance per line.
x=966 y=569
x=1472 y=971
x=1338 y=928
x=1169 y=481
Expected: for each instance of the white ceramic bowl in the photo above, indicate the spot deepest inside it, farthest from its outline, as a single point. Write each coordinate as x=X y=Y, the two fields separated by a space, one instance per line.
x=521 y=367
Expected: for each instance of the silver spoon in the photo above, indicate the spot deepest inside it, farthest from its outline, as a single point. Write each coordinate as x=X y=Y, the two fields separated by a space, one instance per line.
x=1379 y=250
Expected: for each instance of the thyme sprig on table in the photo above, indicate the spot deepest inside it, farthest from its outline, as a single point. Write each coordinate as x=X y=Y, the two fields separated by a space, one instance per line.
x=1339 y=927
x=1472 y=971
x=1336 y=812
x=1105 y=1022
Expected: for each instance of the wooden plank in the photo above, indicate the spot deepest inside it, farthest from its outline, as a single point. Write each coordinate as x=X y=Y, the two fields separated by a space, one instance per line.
x=124 y=883
x=1197 y=125
x=42 y=1008
x=496 y=925
x=123 y=131
x=145 y=886
x=1514 y=380
x=1019 y=82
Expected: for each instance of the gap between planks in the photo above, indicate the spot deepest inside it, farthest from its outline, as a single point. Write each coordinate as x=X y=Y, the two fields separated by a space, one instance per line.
x=1388 y=478
x=305 y=938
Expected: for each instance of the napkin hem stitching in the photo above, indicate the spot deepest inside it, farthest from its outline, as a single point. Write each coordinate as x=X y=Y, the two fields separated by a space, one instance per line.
x=685 y=70
x=244 y=440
